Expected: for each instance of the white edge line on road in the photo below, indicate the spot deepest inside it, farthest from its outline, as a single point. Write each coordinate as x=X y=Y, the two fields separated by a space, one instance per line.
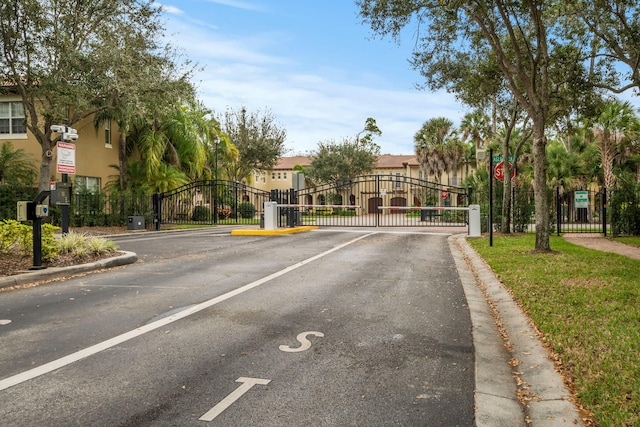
x=96 y=348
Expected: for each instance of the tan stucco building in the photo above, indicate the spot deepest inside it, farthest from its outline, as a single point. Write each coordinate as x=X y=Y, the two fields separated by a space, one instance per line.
x=95 y=150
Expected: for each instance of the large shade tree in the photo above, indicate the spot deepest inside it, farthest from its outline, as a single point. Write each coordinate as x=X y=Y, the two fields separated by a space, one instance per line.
x=339 y=162
x=523 y=38
x=62 y=59
x=258 y=138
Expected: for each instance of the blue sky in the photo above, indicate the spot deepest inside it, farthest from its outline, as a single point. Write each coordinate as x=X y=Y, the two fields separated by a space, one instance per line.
x=311 y=62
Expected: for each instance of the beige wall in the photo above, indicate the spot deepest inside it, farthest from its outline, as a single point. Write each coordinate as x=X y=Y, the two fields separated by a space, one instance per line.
x=92 y=158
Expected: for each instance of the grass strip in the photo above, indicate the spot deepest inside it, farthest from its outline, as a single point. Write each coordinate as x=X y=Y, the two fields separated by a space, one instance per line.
x=586 y=303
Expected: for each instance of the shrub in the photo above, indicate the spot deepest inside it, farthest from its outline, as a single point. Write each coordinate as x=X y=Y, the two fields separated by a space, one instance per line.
x=625 y=207
x=201 y=213
x=247 y=210
x=18 y=237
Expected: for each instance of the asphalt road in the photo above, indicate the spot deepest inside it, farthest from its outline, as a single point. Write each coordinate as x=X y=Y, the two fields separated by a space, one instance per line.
x=324 y=328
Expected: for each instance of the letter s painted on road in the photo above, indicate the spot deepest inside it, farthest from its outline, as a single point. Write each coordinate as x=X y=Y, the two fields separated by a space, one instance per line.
x=302 y=339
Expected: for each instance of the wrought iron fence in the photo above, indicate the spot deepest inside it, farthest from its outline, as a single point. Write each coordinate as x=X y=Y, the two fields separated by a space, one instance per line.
x=210 y=202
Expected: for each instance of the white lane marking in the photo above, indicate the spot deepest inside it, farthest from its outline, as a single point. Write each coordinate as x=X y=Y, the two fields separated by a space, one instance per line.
x=302 y=339
x=235 y=395
x=4 y=322
x=90 y=351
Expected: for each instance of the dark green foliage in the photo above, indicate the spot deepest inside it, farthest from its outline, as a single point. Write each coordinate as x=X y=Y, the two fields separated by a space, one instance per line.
x=625 y=209
x=247 y=210
x=10 y=195
x=201 y=213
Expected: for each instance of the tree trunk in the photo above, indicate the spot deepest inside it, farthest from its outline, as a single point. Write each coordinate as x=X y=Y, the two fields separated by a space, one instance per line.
x=506 y=194
x=122 y=160
x=540 y=186
x=45 y=165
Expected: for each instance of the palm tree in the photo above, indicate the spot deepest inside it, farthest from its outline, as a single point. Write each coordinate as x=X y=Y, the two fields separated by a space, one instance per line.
x=476 y=127
x=616 y=125
x=180 y=139
x=435 y=148
x=16 y=166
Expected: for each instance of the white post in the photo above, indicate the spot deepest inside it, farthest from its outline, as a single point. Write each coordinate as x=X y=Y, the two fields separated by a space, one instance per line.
x=270 y=215
x=474 y=221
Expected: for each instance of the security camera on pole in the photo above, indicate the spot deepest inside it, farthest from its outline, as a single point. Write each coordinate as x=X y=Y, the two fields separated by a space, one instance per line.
x=66 y=165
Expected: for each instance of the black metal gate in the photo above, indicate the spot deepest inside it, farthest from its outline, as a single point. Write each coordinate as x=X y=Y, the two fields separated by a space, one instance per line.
x=383 y=201
x=583 y=211
x=210 y=202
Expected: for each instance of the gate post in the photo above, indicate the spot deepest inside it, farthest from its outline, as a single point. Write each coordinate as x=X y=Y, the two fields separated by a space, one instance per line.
x=270 y=215
x=474 y=221
x=604 y=211
x=156 y=210
x=214 y=190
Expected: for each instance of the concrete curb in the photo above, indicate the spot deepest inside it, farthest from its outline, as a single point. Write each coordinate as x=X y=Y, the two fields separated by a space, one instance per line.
x=56 y=272
x=548 y=402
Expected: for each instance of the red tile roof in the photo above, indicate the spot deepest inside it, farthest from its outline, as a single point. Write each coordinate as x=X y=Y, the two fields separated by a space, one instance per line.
x=386 y=161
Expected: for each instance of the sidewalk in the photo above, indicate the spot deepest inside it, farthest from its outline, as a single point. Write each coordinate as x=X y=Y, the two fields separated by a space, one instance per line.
x=597 y=242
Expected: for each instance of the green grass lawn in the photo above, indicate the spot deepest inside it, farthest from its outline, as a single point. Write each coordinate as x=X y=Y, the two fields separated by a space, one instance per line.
x=587 y=304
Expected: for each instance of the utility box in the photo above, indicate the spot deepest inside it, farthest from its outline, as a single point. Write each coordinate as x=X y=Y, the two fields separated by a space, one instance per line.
x=474 y=221
x=42 y=211
x=297 y=181
x=60 y=193
x=22 y=211
x=270 y=215
x=136 y=222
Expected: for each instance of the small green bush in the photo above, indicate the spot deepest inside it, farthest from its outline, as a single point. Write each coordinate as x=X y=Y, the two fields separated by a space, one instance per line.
x=18 y=237
x=201 y=213
x=247 y=210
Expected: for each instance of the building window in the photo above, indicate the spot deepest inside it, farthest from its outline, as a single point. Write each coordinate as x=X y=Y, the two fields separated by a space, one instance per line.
x=273 y=175
x=285 y=175
x=87 y=183
x=279 y=175
x=398 y=180
x=107 y=133
x=12 y=119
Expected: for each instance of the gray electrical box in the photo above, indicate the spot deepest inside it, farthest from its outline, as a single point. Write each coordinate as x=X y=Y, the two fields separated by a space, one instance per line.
x=60 y=193
x=297 y=181
x=135 y=222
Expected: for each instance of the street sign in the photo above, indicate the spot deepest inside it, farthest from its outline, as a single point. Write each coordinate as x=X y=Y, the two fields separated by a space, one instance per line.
x=497 y=159
x=498 y=171
x=66 y=158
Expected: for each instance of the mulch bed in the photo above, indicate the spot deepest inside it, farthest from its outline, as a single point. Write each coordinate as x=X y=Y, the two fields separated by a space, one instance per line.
x=13 y=263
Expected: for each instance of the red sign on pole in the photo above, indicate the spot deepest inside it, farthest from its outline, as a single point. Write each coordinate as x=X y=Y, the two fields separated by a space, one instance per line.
x=66 y=158
x=498 y=171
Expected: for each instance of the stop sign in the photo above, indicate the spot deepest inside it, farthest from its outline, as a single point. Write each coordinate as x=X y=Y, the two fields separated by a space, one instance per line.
x=498 y=171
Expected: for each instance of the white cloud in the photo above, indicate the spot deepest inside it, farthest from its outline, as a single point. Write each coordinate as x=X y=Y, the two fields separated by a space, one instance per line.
x=171 y=9
x=313 y=102
x=238 y=4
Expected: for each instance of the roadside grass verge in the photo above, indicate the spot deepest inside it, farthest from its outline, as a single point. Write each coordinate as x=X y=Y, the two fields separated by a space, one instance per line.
x=587 y=305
